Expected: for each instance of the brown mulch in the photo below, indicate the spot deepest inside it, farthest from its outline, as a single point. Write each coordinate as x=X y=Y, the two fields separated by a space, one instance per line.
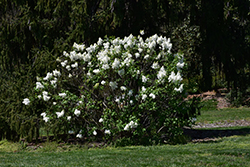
x=217 y=95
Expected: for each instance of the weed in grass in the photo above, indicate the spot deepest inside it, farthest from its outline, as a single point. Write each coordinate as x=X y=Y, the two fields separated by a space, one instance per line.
x=6 y=146
x=49 y=147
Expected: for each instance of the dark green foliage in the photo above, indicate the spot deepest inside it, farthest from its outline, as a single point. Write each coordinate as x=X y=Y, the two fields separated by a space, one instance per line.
x=213 y=35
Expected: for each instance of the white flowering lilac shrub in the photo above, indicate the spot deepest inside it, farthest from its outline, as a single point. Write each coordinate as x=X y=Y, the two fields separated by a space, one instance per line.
x=118 y=88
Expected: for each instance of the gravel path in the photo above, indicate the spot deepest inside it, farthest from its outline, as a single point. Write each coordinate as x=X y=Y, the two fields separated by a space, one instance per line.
x=222 y=124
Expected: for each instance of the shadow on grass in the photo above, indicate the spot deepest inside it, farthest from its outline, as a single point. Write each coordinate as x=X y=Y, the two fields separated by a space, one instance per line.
x=210 y=135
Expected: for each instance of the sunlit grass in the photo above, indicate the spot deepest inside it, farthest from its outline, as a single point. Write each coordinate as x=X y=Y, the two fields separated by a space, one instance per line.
x=231 y=151
x=226 y=114
x=209 y=113
x=6 y=146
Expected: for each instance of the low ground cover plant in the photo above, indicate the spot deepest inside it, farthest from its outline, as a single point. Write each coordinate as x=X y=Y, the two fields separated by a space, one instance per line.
x=128 y=90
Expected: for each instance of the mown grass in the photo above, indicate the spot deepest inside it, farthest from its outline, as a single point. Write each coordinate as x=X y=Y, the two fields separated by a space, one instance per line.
x=209 y=113
x=231 y=151
x=221 y=115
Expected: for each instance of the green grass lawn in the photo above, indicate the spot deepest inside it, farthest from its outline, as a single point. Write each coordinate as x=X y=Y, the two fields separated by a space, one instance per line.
x=211 y=115
x=226 y=151
x=231 y=151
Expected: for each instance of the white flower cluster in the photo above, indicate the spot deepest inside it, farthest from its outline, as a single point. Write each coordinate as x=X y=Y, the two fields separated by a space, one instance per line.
x=161 y=74
x=46 y=97
x=180 y=89
x=152 y=95
x=164 y=43
x=108 y=132
x=51 y=77
x=175 y=78
x=130 y=125
x=56 y=73
x=62 y=95
x=45 y=118
x=77 y=112
x=155 y=65
x=94 y=133
x=79 y=47
x=181 y=63
x=79 y=135
x=101 y=120
x=116 y=64
x=39 y=85
x=144 y=78
x=26 y=101
x=48 y=76
x=60 y=114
